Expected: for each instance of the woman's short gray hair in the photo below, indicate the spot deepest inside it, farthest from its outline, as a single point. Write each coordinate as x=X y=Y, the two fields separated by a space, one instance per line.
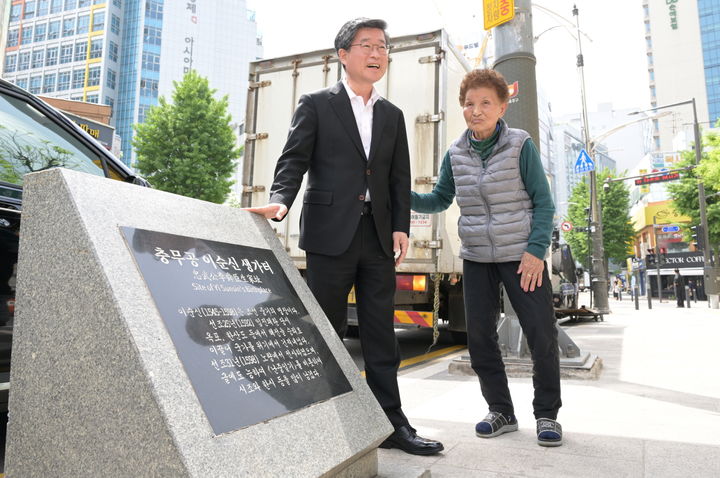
x=346 y=35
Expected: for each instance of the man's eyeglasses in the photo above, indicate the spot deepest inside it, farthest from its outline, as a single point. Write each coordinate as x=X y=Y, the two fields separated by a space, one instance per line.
x=367 y=48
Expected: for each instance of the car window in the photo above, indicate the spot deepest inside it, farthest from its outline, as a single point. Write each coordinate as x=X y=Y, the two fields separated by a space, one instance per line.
x=30 y=141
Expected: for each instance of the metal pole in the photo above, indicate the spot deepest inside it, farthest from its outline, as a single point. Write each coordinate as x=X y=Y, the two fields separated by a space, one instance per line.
x=708 y=269
x=648 y=289
x=599 y=284
x=657 y=259
x=515 y=59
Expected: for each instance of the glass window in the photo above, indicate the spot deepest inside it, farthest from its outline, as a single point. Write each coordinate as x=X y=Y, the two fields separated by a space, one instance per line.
x=151 y=61
x=56 y=6
x=42 y=7
x=15 y=12
x=148 y=87
x=142 y=112
x=93 y=76
x=63 y=80
x=40 y=31
x=35 y=84
x=68 y=27
x=66 y=52
x=114 y=24
x=10 y=63
x=111 y=103
x=38 y=58
x=110 y=79
x=153 y=9
x=117 y=3
x=83 y=24
x=22 y=83
x=25 y=130
x=27 y=34
x=49 y=83
x=70 y=5
x=53 y=30
x=80 y=50
x=92 y=99
x=98 y=21
x=24 y=61
x=113 y=51
x=78 y=78
x=96 y=47
x=83 y=3
x=152 y=35
x=51 y=56
x=12 y=38
x=29 y=9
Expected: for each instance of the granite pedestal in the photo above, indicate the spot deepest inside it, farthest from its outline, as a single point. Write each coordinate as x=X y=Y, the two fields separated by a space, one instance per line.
x=98 y=386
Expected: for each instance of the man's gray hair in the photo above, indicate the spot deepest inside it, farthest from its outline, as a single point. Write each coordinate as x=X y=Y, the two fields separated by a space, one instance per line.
x=348 y=31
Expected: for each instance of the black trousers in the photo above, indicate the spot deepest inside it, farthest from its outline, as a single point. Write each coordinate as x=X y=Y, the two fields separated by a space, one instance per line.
x=365 y=265
x=537 y=319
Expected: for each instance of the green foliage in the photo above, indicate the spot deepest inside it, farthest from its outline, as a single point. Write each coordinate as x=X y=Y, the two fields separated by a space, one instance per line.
x=188 y=147
x=618 y=233
x=684 y=192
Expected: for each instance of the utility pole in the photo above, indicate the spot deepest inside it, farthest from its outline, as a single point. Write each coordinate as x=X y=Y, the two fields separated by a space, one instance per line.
x=599 y=283
x=657 y=259
x=515 y=59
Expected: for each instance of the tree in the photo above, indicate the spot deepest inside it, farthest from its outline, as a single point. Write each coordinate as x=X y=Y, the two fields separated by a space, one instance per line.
x=618 y=233
x=684 y=193
x=188 y=147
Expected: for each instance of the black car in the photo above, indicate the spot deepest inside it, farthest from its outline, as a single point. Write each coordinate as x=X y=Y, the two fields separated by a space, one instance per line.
x=34 y=137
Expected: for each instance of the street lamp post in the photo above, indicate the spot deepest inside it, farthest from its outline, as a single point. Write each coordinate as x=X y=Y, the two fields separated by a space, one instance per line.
x=599 y=283
x=710 y=274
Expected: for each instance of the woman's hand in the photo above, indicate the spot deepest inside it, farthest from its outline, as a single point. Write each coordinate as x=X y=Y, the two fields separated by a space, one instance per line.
x=530 y=270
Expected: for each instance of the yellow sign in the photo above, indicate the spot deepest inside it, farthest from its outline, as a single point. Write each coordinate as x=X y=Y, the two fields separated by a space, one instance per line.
x=497 y=12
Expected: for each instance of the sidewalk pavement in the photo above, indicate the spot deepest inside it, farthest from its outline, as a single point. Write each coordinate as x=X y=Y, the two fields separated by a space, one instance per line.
x=653 y=412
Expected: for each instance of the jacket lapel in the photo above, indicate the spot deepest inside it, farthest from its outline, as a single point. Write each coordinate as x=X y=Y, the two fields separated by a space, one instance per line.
x=340 y=102
x=379 y=115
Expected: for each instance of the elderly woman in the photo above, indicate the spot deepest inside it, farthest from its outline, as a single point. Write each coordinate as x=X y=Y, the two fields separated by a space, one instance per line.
x=505 y=227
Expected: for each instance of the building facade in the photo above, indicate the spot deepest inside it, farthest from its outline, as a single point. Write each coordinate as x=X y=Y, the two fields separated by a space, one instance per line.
x=683 y=52
x=127 y=53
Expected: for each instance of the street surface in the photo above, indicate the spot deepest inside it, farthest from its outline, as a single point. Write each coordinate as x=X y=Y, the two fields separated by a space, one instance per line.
x=654 y=411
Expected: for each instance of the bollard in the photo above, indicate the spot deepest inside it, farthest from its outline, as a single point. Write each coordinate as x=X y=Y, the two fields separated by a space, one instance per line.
x=687 y=296
x=649 y=297
x=636 y=296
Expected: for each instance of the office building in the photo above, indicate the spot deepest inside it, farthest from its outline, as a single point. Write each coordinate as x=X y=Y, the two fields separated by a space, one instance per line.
x=683 y=51
x=127 y=53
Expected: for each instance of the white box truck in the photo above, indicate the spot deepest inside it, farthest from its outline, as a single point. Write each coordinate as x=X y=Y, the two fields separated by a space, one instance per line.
x=423 y=80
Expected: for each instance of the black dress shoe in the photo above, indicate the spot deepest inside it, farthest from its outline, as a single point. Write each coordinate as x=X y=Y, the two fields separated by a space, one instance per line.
x=406 y=439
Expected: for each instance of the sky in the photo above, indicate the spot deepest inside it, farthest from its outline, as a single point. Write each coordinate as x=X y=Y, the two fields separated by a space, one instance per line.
x=614 y=48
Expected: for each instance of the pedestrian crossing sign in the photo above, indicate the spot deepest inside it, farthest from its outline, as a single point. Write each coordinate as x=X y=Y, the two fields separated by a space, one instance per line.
x=584 y=164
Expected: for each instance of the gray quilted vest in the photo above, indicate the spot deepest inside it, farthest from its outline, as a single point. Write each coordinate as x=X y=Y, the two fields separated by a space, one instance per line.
x=496 y=211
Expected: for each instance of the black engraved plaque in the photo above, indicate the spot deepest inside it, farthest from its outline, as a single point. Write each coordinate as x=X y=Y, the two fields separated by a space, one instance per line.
x=242 y=334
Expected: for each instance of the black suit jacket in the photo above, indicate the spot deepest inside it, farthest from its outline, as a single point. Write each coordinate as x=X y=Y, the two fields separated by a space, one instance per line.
x=324 y=142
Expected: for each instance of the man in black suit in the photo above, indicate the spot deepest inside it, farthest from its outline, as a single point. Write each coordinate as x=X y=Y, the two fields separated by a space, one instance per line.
x=356 y=210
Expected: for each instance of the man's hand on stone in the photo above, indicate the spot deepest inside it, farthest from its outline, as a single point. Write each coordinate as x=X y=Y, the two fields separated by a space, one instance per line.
x=270 y=211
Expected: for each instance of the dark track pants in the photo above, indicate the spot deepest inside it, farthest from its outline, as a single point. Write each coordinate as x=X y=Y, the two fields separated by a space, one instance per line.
x=365 y=265
x=537 y=319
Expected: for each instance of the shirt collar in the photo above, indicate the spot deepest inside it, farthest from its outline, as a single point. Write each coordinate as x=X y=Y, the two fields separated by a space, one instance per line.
x=374 y=96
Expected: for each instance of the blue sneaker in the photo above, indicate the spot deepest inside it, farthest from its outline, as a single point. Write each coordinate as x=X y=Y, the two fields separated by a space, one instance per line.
x=495 y=424
x=549 y=432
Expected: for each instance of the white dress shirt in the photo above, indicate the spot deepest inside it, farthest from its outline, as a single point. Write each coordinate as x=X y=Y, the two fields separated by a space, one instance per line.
x=364 y=118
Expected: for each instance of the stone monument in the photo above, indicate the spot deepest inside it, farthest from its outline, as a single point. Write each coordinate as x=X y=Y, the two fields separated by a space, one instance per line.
x=158 y=335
